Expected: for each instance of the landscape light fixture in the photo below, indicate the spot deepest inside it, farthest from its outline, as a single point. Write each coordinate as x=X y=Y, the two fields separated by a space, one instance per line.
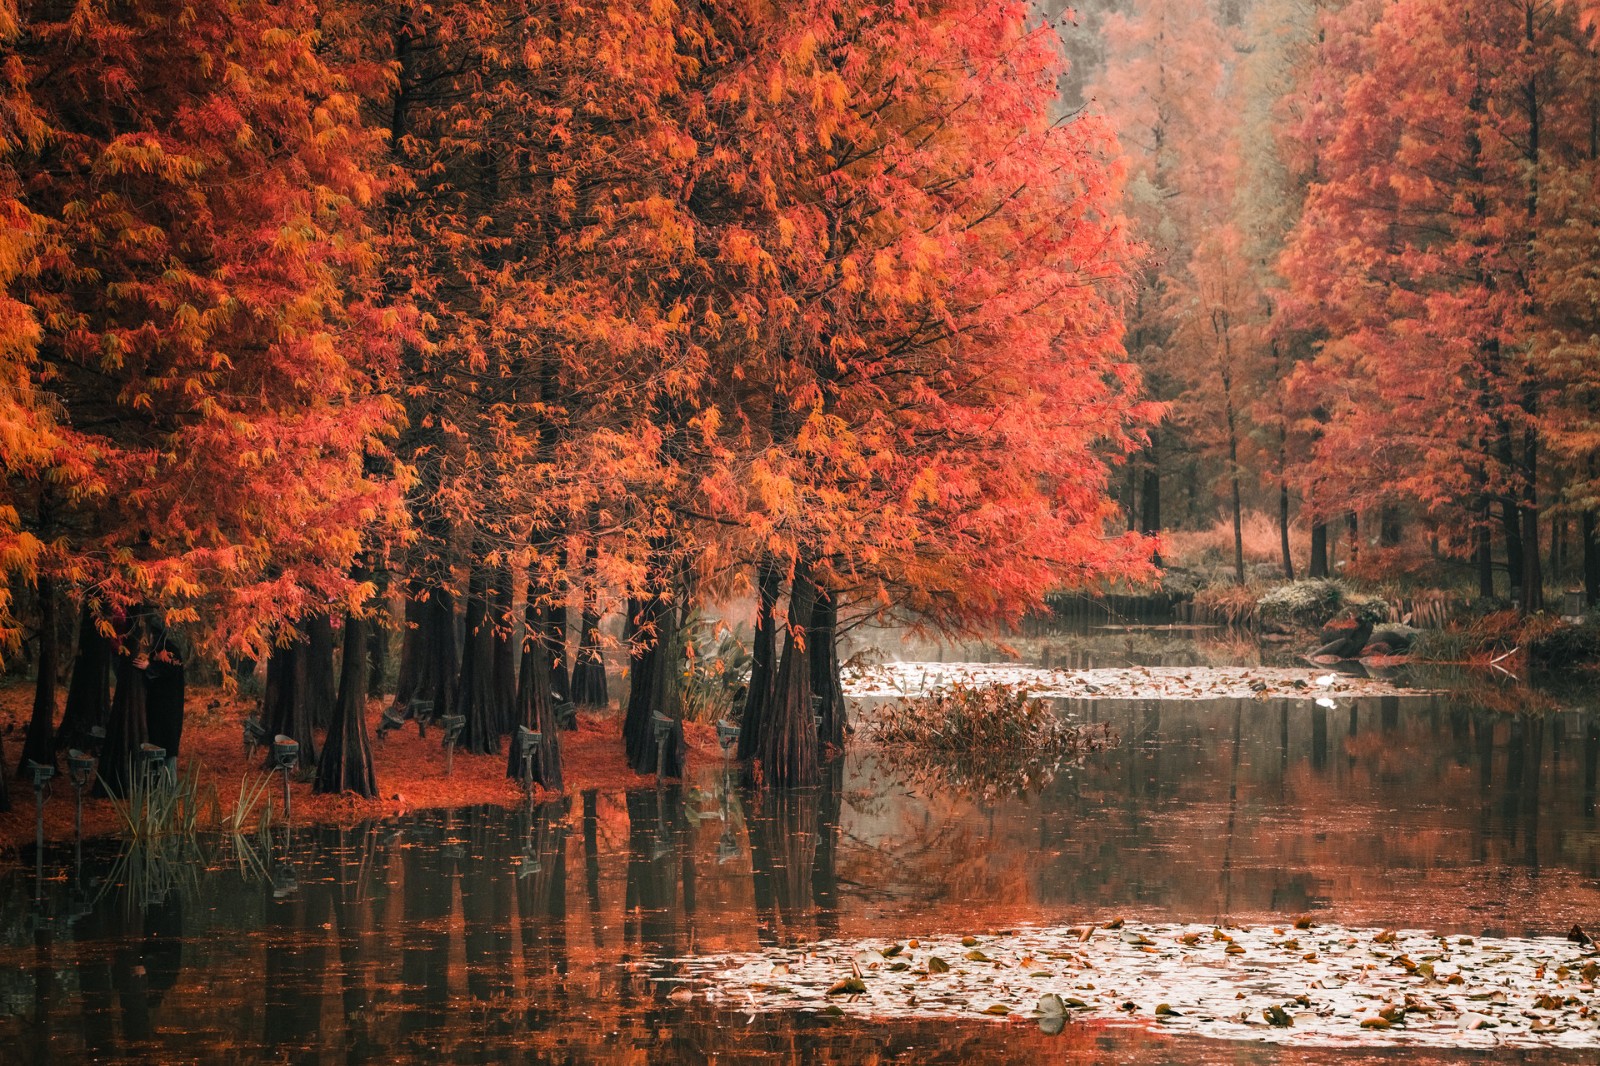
x=152 y=760
x=40 y=773
x=80 y=767
x=422 y=711
x=255 y=736
x=389 y=721
x=285 y=757
x=727 y=735
x=663 y=729
x=453 y=725
x=529 y=742
x=566 y=714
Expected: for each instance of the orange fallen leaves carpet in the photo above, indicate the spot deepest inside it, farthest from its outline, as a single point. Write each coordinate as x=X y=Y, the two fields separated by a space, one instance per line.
x=410 y=770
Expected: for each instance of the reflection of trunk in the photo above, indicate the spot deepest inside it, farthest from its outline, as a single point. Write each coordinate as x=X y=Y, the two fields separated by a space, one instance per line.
x=296 y=971
x=346 y=764
x=286 y=703
x=486 y=913
x=825 y=874
x=427 y=893
x=542 y=895
x=475 y=692
x=787 y=750
x=591 y=863
x=654 y=897
x=39 y=744
x=822 y=637
x=89 y=690
x=319 y=669
x=763 y=660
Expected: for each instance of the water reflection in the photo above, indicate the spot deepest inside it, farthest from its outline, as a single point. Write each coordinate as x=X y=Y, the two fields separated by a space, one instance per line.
x=548 y=932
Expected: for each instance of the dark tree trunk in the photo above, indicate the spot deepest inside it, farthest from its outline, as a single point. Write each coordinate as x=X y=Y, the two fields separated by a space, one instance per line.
x=39 y=744
x=1352 y=523
x=1319 y=549
x=1483 y=550
x=1283 y=531
x=787 y=753
x=651 y=689
x=1591 y=559
x=763 y=660
x=411 y=653
x=1150 y=494
x=89 y=688
x=164 y=692
x=377 y=628
x=589 y=665
x=475 y=690
x=346 y=764
x=127 y=727
x=554 y=629
x=319 y=669
x=826 y=688
x=535 y=708
x=1511 y=526
x=505 y=652
x=286 y=702
x=1389 y=531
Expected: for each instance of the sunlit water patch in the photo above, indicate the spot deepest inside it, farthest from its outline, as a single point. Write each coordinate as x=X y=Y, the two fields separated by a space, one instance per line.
x=1312 y=987
x=1134 y=682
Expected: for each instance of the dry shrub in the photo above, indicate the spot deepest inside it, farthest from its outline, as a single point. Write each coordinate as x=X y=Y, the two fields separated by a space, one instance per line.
x=984 y=738
x=1215 y=545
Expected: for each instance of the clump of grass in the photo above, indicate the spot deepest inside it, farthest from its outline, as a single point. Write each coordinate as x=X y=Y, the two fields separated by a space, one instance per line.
x=1308 y=602
x=983 y=737
x=158 y=804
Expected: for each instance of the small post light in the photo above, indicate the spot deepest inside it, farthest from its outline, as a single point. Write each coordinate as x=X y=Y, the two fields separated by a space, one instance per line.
x=422 y=711
x=566 y=714
x=727 y=735
x=663 y=729
x=727 y=845
x=97 y=738
x=390 y=721
x=529 y=741
x=152 y=760
x=40 y=773
x=453 y=725
x=80 y=767
x=285 y=757
x=255 y=736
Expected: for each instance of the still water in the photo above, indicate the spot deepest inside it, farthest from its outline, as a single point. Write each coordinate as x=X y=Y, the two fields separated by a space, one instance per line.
x=545 y=935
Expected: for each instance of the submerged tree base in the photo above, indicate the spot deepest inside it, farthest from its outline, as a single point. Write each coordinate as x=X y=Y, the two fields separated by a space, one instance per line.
x=1303 y=986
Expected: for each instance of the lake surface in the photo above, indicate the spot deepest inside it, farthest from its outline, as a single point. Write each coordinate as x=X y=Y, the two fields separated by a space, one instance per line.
x=540 y=935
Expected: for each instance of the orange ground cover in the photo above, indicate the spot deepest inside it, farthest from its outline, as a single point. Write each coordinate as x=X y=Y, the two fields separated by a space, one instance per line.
x=410 y=770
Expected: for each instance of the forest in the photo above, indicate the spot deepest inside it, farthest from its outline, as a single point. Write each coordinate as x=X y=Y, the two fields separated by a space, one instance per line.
x=330 y=325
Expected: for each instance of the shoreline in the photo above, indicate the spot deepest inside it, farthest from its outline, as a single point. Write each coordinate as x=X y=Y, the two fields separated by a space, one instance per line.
x=410 y=771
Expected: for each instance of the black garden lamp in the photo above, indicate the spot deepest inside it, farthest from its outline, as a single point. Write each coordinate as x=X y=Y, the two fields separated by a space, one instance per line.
x=151 y=759
x=285 y=757
x=453 y=725
x=80 y=767
x=566 y=714
x=663 y=729
x=40 y=774
x=255 y=736
x=389 y=721
x=422 y=711
x=529 y=742
x=727 y=735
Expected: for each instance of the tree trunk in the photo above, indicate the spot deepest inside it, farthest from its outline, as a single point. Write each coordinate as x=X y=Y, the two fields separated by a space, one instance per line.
x=1283 y=530
x=1319 y=549
x=535 y=707
x=1353 y=530
x=1511 y=526
x=650 y=688
x=475 y=688
x=346 y=764
x=127 y=727
x=822 y=638
x=1483 y=549
x=506 y=653
x=1389 y=532
x=553 y=623
x=1238 y=528
x=89 y=688
x=377 y=628
x=39 y=744
x=286 y=704
x=1591 y=559
x=589 y=666
x=763 y=660
x=787 y=753
x=1150 y=493
x=319 y=669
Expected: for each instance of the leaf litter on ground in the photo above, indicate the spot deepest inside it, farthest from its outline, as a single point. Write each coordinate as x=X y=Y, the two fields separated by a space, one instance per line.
x=1295 y=983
